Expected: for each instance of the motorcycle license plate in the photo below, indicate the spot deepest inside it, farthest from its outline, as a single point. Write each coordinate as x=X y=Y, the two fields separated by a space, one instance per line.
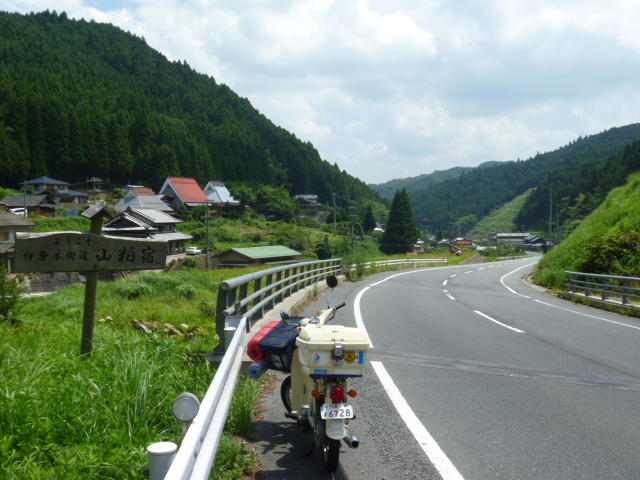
x=336 y=411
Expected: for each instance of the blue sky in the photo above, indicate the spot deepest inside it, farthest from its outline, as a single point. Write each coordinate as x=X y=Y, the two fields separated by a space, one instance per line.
x=397 y=88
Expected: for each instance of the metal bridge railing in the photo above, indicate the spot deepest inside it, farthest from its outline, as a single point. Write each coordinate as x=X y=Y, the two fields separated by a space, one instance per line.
x=250 y=295
x=611 y=289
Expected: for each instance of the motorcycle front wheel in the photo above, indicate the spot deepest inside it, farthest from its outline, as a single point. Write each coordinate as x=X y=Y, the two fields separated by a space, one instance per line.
x=285 y=394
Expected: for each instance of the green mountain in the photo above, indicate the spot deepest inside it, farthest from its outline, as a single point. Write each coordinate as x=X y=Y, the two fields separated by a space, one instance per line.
x=574 y=192
x=81 y=99
x=479 y=191
x=412 y=184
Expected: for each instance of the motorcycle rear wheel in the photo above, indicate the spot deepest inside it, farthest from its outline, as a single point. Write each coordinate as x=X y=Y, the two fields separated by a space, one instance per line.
x=331 y=454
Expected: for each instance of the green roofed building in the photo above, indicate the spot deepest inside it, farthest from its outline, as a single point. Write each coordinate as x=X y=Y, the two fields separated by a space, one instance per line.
x=256 y=256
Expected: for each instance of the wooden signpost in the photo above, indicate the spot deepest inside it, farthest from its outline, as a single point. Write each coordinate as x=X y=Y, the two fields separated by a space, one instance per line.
x=87 y=252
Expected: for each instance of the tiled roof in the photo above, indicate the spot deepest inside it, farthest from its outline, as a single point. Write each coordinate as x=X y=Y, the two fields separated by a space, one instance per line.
x=13 y=220
x=218 y=193
x=266 y=252
x=140 y=191
x=28 y=200
x=47 y=180
x=188 y=189
x=153 y=215
x=143 y=201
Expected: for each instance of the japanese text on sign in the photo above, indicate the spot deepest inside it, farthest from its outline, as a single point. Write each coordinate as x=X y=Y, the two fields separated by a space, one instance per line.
x=73 y=251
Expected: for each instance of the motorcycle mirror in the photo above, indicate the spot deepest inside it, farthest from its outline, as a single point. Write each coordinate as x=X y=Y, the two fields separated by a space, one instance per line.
x=332 y=281
x=285 y=316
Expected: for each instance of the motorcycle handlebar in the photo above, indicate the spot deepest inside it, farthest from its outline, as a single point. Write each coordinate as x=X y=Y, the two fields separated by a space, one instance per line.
x=338 y=307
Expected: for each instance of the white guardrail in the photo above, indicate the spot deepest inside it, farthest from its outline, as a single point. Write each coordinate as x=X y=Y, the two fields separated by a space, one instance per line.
x=198 y=450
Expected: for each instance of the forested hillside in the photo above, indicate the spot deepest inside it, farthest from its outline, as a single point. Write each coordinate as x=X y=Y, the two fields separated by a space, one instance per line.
x=412 y=184
x=479 y=191
x=81 y=99
x=389 y=189
x=576 y=192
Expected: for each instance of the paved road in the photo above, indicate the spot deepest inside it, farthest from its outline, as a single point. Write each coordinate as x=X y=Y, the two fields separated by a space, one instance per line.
x=504 y=382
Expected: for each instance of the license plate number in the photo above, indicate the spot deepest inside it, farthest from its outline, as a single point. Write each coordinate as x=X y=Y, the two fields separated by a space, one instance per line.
x=336 y=410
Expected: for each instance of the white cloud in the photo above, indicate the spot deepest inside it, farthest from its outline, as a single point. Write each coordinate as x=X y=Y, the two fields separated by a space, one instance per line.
x=392 y=89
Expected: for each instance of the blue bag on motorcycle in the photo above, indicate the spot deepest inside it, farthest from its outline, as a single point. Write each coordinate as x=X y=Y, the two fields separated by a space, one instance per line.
x=278 y=346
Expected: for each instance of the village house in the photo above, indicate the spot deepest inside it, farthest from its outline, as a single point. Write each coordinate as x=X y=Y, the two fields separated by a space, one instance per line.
x=256 y=256
x=183 y=191
x=148 y=223
x=58 y=190
x=219 y=195
x=509 y=239
x=10 y=224
x=36 y=205
x=308 y=200
x=143 y=197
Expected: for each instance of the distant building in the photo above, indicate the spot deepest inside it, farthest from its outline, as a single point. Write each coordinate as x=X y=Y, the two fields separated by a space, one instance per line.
x=509 y=239
x=183 y=191
x=10 y=224
x=148 y=223
x=38 y=205
x=256 y=256
x=535 y=242
x=218 y=194
x=143 y=197
x=309 y=200
x=58 y=190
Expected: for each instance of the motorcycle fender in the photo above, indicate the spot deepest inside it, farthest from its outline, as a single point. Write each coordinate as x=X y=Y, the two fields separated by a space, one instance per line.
x=336 y=429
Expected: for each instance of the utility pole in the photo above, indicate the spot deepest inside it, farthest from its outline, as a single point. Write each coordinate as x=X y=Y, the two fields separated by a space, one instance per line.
x=335 y=225
x=550 y=213
x=207 y=254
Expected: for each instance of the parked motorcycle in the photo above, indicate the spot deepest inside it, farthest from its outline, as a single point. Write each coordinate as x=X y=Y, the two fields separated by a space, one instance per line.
x=321 y=359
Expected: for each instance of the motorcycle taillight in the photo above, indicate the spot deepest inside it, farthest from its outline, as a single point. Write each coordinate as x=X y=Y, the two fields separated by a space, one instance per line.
x=337 y=394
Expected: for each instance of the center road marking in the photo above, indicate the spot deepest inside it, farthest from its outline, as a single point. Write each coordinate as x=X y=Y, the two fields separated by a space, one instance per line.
x=435 y=454
x=499 y=323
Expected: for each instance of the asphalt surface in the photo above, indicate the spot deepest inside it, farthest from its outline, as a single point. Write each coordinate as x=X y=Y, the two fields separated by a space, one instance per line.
x=387 y=450
x=510 y=382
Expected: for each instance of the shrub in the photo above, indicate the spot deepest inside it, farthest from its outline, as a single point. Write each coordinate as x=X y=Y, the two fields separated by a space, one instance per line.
x=10 y=291
x=186 y=291
x=134 y=288
x=190 y=263
x=208 y=307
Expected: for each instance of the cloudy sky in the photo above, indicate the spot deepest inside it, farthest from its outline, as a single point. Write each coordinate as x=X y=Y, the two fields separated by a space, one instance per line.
x=397 y=88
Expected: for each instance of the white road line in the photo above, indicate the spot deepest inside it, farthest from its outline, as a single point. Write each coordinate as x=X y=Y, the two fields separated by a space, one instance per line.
x=445 y=282
x=513 y=271
x=451 y=276
x=499 y=323
x=450 y=296
x=442 y=463
x=587 y=315
x=358 y=314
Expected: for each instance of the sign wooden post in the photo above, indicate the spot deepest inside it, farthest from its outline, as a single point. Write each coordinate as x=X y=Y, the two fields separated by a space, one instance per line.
x=87 y=252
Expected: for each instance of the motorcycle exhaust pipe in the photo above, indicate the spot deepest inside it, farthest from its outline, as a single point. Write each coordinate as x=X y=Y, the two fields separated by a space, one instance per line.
x=351 y=440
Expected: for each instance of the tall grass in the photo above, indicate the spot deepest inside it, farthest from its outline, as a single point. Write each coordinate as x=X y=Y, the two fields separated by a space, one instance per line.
x=605 y=242
x=62 y=416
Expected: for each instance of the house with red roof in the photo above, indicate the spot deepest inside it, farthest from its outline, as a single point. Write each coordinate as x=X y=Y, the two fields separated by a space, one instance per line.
x=183 y=191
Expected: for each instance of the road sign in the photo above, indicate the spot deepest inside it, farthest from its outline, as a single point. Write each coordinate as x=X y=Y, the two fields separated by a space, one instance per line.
x=86 y=252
